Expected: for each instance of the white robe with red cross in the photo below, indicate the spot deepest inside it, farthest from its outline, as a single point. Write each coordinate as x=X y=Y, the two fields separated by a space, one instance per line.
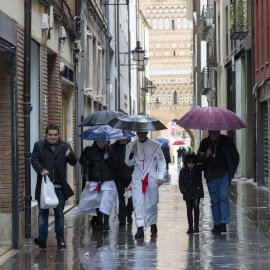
x=149 y=166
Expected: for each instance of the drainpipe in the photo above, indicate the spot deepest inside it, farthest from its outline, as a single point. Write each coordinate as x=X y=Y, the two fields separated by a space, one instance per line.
x=108 y=75
x=118 y=60
x=79 y=98
x=27 y=110
x=215 y=53
x=129 y=62
x=254 y=114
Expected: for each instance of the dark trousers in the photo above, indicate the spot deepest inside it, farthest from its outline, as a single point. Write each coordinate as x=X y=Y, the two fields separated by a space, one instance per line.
x=124 y=210
x=193 y=204
x=58 y=214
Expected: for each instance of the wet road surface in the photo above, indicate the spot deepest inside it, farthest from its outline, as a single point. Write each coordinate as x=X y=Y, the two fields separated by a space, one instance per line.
x=245 y=246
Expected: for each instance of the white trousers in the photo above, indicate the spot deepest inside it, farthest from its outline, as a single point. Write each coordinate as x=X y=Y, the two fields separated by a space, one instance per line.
x=145 y=204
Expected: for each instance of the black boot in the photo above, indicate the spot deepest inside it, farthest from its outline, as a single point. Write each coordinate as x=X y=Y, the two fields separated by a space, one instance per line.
x=154 y=229
x=94 y=222
x=100 y=220
x=216 y=229
x=223 y=227
x=140 y=233
x=106 y=223
x=196 y=228
x=190 y=230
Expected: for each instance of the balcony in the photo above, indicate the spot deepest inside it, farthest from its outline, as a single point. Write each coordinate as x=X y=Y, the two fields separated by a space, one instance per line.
x=207 y=79
x=240 y=19
x=205 y=30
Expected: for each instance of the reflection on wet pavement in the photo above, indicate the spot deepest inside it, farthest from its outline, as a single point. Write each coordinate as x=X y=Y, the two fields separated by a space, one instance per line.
x=245 y=246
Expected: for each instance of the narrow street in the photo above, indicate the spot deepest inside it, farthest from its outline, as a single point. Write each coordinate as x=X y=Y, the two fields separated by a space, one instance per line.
x=245 y=246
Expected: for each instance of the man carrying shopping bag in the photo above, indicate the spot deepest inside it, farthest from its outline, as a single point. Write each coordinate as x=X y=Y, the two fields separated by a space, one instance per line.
x=50 y=156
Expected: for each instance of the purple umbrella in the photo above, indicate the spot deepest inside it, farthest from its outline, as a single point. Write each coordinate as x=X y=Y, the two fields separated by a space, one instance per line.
x=211 y=118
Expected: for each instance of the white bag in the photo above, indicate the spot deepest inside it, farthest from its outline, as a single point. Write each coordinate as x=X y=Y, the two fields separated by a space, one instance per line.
x=48 y=198
x=128 y=192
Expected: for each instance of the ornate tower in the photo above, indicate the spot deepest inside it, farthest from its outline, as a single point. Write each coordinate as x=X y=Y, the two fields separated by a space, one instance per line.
x=170 y=53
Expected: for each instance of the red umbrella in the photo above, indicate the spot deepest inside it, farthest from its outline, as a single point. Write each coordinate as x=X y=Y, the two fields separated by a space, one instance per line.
x=211 y=118
x=178 y=143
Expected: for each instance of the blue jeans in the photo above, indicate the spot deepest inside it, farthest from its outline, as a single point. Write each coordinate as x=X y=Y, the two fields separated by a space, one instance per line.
x=219 y=189
x=58 y=214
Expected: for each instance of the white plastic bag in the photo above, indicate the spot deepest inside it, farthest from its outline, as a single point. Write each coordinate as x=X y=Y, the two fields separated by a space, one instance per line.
x=128 y=192
x=48 y=198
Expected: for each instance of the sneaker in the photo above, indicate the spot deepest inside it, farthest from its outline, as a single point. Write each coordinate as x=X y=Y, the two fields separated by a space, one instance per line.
x=223 y=227
x=41 y=242
x=216 y=229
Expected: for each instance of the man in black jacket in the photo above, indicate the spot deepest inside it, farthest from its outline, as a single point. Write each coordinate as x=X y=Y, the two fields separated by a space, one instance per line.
x=122 y=180
x=222 y=159
x=50 y=157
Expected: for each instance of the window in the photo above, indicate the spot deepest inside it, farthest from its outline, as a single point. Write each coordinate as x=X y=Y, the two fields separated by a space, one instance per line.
x=173 y=27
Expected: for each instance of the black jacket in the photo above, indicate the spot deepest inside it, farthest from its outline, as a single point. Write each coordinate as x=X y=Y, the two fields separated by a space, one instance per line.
x=190 y=182
x=95 y=167
x=229 y=149
x=122 y=170
x=43 y=158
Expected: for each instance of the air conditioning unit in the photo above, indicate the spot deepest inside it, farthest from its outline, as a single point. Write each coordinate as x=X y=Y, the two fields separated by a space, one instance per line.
x=45 y=22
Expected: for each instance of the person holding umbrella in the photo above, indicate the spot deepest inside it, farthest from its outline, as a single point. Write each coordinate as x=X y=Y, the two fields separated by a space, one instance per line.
x=221 y=156
x=100 y=191
x=222 y=159
x=146 y=156
x=99 y=162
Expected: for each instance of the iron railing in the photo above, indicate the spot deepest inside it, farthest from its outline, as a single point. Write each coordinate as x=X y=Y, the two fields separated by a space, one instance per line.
x=240 y=19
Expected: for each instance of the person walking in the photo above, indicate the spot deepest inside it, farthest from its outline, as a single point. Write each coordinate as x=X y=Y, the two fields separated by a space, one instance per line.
x=82 y=160
x=167 y=155
x=122 y=180
x=222 y=159
x=181 y=154
x=50 y=157
x=190 y=185
x=100 y=190
x=147 y=157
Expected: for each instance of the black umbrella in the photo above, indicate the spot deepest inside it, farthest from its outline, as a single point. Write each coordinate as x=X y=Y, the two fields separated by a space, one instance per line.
x=139 y=123
x=100 y=118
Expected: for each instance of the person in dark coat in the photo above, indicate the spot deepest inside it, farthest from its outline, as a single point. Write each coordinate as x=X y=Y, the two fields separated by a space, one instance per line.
x=181 y=154
x=190 y=185
x=98 y=178
x=82 y=161
x=122 y=180
x=50 y=157
x=222 y=160
x=166 y=153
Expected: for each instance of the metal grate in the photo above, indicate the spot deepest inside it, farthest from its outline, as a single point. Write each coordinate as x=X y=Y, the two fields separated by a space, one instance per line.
x=266 y=142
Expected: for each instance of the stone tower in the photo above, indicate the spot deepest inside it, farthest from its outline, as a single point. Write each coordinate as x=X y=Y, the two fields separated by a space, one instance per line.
x=170 y=53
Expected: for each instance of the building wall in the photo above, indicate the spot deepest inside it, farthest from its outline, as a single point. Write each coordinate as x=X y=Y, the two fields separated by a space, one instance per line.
x=50 y=103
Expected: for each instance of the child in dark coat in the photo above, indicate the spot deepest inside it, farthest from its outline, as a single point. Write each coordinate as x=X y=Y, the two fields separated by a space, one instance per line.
x=190 y=184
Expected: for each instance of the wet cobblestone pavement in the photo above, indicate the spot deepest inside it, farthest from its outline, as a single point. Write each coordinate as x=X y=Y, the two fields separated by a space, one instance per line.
x=245 y=246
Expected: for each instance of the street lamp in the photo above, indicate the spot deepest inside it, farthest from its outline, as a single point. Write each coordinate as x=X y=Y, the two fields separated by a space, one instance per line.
x=157 y=103
x=138 y=53
x=151 y=88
